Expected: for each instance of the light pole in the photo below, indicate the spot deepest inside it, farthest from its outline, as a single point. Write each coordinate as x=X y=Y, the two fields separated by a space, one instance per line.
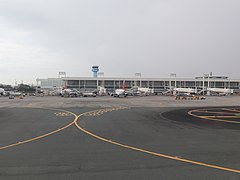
x=208 y=81
x=205 y=75
x=203 y=85
x=101 y=75
x=61 y=74
x=138 y=75
x=175 y=81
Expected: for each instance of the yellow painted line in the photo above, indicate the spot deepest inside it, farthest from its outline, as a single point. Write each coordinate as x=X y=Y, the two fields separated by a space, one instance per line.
x=212 y=112
x=212 y=119
x=233 y=110
x=234 y=117
x=44 y=135
x=154 y=153
x=220 y=120
x=55 y=131
x=62 y=114
x=100 y=112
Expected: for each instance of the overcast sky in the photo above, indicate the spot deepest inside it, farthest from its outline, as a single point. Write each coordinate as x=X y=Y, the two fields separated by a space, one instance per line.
x=39 y=38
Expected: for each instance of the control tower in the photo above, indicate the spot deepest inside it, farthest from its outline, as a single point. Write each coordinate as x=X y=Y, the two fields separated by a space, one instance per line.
x=95 y=70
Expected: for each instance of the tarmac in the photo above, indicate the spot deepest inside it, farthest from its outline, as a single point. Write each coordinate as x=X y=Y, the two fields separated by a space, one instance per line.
x=108 y=101
x=155 y=137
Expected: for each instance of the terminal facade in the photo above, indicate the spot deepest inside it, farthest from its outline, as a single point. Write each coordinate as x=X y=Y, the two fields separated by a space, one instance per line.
x=158 y=84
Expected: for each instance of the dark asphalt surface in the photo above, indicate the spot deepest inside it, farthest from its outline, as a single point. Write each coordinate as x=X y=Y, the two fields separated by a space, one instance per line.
x=72 y=154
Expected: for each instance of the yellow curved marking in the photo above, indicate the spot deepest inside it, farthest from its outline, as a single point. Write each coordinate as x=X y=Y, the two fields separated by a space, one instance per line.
x=210 y=112
x=64 y=112
x=212 y=119
x=154 y=153
x=233 y=110
x=44 y=135
x=230 y=117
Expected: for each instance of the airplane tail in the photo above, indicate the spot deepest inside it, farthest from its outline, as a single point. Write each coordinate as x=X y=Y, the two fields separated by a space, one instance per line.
x=65 y=85
x=124 y=86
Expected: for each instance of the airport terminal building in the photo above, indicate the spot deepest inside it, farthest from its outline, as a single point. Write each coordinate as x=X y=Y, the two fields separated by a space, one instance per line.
x=157 y=84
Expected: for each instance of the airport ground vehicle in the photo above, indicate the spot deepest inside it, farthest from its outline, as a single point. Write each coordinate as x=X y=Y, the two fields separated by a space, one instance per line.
x=11 y=97
x=89 y=94
x=188 y=96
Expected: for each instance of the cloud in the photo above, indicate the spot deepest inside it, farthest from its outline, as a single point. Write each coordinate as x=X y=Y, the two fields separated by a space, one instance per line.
x=123 y=37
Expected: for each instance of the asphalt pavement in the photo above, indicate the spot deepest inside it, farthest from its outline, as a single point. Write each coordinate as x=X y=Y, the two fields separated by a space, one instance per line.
x=116 y=143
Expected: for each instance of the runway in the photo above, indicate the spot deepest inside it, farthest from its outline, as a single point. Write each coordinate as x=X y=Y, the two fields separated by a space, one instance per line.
x=119 y=143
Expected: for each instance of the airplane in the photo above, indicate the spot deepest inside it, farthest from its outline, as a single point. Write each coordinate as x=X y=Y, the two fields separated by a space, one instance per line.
x=220 y=91
x=121 y=92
